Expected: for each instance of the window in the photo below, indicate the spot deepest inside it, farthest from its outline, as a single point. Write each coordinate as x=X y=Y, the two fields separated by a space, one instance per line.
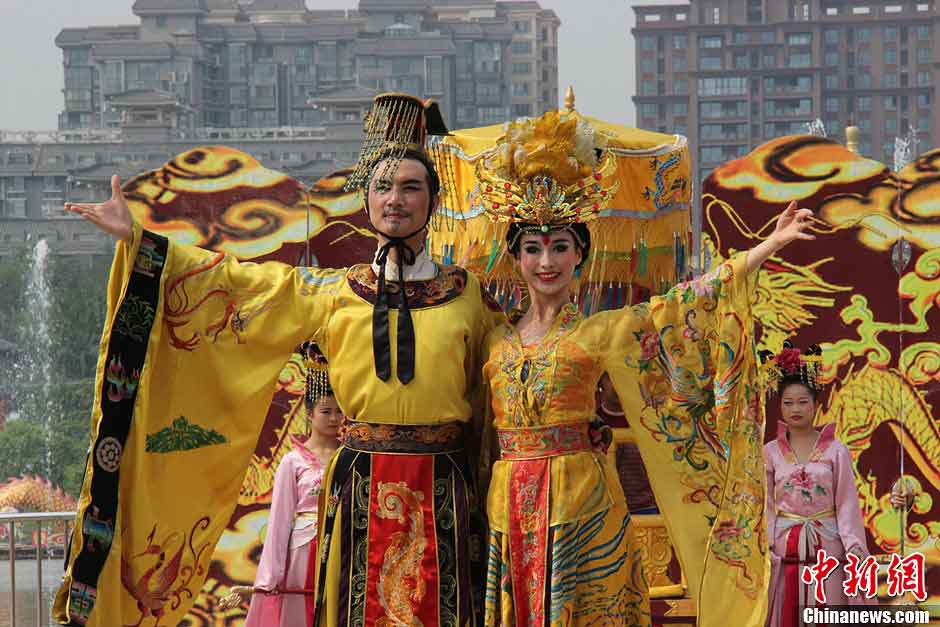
x=832 y=36
x=648 y=42
x=923 y=100
x=923 y=125
x=831 y=59
x=433 y=75
x=860 y=10
x=864 y=81
x=724 y=86
x=799 y=59
x=680 y=86
x=488 y=93
x=863 y=34
x=864 y=56
x=923 y=55
x=832 y=11
x=708 y=62
x=521 y=68
x=923 y=32
x=755 y=12
x=769 y=60
x=520 y=89
x=680 y=42
x=648 y=110
x=161 y=21
x=891 y=125
x=647 y=88
x=647 y=65
x=522 y=47
x=923 y=78
x=832 y=105
x=78 y=56
x=799 y=39
x=799 y=82
x=716 y=15
x=889 y=33
x=522 y=26
x=238 y=95
x=891 y=56
x=521 y=110
x=680 y=64
x=790 y=106
x=714 y=110
x=715 y=41
x=889 y=79
x=863 y=103
x=741 y=37
x=832 y=81
x=491 y=115
x=890 y=103
x=768 y=37
x=680 y=108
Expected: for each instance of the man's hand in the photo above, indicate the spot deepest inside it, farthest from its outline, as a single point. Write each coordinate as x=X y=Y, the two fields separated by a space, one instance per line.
x=111 y=216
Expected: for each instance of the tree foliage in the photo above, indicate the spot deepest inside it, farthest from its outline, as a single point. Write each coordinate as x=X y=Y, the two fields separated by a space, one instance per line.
x=47 y=433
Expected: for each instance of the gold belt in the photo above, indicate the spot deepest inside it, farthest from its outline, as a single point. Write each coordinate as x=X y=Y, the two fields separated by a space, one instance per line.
x=547 y=441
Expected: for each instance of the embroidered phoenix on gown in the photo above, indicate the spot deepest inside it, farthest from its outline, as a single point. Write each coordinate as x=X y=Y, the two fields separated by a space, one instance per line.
x=562 y=551
x=288 y=557
x=810 y=506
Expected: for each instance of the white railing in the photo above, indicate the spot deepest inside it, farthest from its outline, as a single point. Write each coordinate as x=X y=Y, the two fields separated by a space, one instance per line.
x=41 y=547
x=114 y=135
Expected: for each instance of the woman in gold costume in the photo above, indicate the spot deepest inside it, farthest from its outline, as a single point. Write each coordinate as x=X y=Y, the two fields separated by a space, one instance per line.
x=561 y=549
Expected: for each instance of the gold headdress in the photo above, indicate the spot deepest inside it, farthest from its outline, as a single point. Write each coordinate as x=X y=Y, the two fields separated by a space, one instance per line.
x=317 y=374
x=550 y=172
x=790 y=362
x=395 y=124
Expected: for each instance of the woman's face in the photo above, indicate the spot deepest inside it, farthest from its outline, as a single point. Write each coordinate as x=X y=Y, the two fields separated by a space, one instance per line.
x=797 y=405
x=547 y=261
x=326 y=417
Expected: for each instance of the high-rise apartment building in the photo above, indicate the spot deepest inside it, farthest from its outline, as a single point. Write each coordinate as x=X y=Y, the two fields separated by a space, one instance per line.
x=731 y=74
x=288 y=85
x=258 y=63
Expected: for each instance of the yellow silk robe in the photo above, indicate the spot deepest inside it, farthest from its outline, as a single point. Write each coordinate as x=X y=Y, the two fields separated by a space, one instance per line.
x=192 y=346
x=681 y=365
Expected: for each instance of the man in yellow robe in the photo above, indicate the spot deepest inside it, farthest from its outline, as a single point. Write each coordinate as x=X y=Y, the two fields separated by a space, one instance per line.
x=192 y=345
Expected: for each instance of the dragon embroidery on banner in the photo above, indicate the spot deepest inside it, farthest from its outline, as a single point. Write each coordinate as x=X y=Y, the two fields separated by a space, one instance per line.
x=869 y=307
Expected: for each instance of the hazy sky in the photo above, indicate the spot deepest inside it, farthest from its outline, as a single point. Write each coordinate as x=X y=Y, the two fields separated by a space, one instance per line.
x=595 y=53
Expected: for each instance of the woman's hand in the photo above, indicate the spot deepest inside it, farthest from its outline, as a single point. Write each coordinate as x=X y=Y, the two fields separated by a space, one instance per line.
x=792 y=225
x=111 y=216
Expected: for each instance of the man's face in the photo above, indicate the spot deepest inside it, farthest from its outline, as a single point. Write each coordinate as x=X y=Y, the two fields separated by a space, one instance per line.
x=399 y=197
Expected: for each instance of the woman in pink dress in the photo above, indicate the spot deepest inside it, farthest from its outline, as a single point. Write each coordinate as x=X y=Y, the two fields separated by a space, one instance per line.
x=812 y=502
x=288 y=559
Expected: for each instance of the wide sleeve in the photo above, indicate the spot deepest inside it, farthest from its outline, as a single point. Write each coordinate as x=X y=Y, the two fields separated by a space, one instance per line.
x=848 y=510
x=274 y=555
x=191 y=349
x=482 y=436
x=770 y=509
x=684 y=368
